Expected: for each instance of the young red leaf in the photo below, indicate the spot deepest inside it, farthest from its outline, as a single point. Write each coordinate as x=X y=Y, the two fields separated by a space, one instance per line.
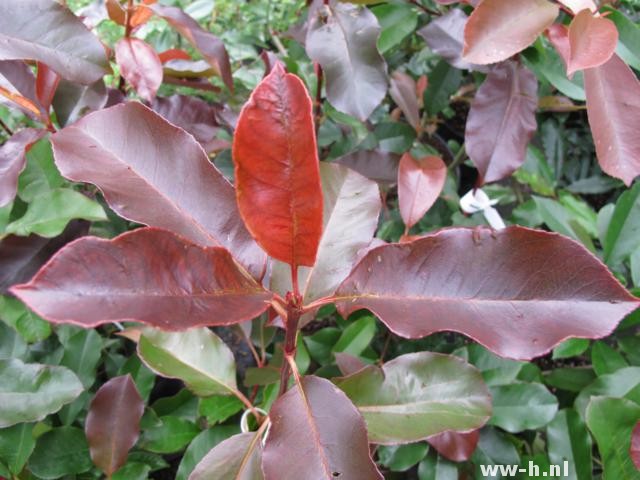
x=613 y=107
x=237 y=458
x=46 y=84
x=140 y=66
x=517 y=291
x=160 y=177
x=116 y=12
x=317 y=433
x=45 y=31
x=558 y=35
x=634 y=450
x=502 y=120
x=210 y=46
x=455 y=446
x=592 y=41
x=276 y=169
x=419 y=185
x=147 y=275
x=13 y=160
x=498 y=29
x=113 y=423
x=404 y=92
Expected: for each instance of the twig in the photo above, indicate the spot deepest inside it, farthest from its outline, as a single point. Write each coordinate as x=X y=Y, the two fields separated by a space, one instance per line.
x=318 y=105
x=6 y=128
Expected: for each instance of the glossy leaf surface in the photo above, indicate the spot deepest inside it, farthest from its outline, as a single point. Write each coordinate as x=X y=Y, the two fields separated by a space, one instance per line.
x=277 y=169
x=527 y=290
x=404 y=93
x=13 y=157
x=319 y=433
x=46 y=31
x=196 y=356
x=160 y=177
x=569 y=440
x=148 y=275
x=498 y=29
x=420 y=182
x=613 y=106
x=342 y=39
x=210 y=46
x=455 y=446
x=418 y=395
x=522 y=406
x=140 y=66
x=237 y=458
x=112 y=426
x=30 y=392
x=502 y=120
x=592 y=41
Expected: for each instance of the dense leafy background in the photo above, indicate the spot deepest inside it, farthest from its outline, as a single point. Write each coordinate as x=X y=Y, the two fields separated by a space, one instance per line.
x=541 y=409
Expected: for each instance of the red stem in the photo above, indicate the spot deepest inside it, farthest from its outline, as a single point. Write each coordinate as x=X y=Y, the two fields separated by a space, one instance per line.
x=291 y=333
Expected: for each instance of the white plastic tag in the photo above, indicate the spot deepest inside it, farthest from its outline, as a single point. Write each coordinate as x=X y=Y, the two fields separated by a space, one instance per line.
x=476 y=200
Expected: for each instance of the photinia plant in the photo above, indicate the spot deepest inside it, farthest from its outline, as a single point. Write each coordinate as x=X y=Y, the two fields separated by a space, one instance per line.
x=293 y=234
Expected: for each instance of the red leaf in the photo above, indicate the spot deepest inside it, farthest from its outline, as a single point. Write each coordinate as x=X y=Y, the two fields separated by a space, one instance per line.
x=147 y=275
x=317 y=433
x=419 y=185
x=376 y=165
x=277 y=169
x=634 y=450
x=517 y=291
x=13 y=160
x=502 y=120
x=498 y=29
x=173 y=54
x=160 y=177
x=403 y=90
x=116 y=12
x=210 y=46
x=113 y=423
x=558 y=35
x=613 y=107
x=455 y=446
x=140 y=66
x=592 y=41
x=46 y=84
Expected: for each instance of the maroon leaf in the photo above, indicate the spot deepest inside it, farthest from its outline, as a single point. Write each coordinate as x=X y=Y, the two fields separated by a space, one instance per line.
x=348 y=364
x=210 y=46
x=445 y=37
x=592 y=41
x=21 y=257
x=147 y=275
x=46 y=84
x=73 y=101
x=377 y=165
x=237 y=458
x=277 y=169
x=45 y=31
x=317 y=433
x=502 y=120
x=113 y=423
x=634 y=450
x=613 y=107
x=404 y=92
x=13 y=160
x=140 y=66
x=517 y=291
x=160 y=177
x=456 y=446
x=419 y=185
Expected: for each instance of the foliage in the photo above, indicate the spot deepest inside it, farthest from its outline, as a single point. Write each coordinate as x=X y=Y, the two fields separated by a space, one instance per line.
x=273 y=215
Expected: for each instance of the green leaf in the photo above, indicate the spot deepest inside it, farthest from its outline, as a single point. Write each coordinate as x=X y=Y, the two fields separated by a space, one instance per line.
x=397 y=22
x=200 y=446
x=82 y=352
x=494 y=449
x=559 y=219
x=611 y=421
x=418 y=395
x=30 y=392
x=132 y=471
x=400 y=458
x=40 y=174
x=434 y=467
x=172 y=435
x=569 y=379
x=623 y=234
x=629 y=36
x=142 y=376
x=495 y=370
x=357 y=336
x=50 y=211
x=605 y=359
x=196 y=356
x=622 y=383
x=444 y=81
x=11 y=344
x=571 y=348
x=569 y=440
x=16 y=445
x=59 y=452
x=320 y=344
x=635 y=267
x=522 y=406
x=218 y=408
x=30 y=326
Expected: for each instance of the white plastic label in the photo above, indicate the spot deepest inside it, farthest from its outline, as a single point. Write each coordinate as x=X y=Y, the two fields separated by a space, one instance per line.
x=476 y=200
